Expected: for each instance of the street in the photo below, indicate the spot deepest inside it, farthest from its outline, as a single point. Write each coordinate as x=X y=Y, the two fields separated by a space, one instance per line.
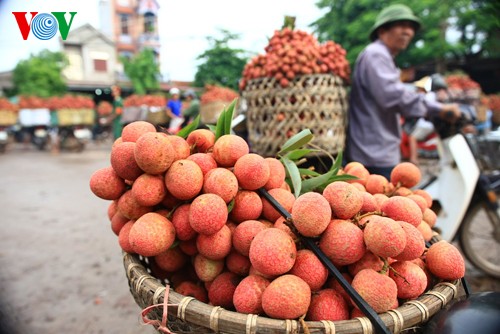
x=61 y=267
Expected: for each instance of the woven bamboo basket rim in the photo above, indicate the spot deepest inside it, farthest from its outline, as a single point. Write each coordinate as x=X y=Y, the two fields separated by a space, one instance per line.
x=148 y=290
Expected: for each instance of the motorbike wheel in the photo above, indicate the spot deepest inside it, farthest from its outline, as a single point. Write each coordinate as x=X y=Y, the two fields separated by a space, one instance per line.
x=480 y=230
x=3 y=147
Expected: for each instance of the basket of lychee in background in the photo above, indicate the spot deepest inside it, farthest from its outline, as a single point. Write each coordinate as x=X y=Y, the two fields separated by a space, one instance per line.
x=297 y=83
x=204 y=253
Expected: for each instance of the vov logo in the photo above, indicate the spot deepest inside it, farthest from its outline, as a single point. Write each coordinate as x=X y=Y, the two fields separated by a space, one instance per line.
x=44 y=25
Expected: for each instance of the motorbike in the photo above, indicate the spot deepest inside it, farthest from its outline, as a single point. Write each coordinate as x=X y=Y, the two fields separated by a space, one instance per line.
x=465 y=196
x=4 y=138
x=40 y=136
x=74 y=137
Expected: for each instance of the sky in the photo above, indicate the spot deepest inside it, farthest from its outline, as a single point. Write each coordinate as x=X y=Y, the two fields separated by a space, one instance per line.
x=184 y=26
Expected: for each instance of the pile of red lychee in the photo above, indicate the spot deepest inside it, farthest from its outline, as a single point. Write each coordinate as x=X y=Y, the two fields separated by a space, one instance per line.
x=193 y=208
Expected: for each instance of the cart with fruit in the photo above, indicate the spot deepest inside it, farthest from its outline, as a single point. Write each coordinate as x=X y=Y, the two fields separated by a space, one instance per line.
x=8 y=118
x=213 y=100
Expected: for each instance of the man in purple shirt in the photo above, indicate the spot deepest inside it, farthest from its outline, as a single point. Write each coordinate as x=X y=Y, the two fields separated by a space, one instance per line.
x=378 y=98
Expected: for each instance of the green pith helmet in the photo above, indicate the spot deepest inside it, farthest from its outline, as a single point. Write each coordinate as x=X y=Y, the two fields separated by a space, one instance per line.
x=393 y=13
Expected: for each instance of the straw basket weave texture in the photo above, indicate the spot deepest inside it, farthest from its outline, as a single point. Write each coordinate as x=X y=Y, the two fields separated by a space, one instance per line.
x=317 y=102
x=188 y=315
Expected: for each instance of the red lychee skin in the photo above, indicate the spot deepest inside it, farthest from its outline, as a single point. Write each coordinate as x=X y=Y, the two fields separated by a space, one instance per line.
x=369 y=260
x=222 y=182
x=191 y=289
x=153 y=153
x=410 y=279
x=327 y=304
x=238 y=264
x=429 y=217
x=128 y=206
x=311 y=214
x=415 y=243
x=112 y=209
x=402 y=208
x=181 y=147
x=228 y=149
x=117 y=222
x=244 y=233
x=308 y=267
x=332 y=283
x=184 y=179
x=106 y=184
x=369 y=203
x=123 y=161
x=284 y=197
x=384 y=237
x=207 y=270
x=287 y=297
x=123 y=239
x=201 y=140
x=173 y=259
x=421 y=202
x=247 y=206
x=149 y=190
x=208 y=214
x=381 y=199
x=277 y=173
x=342 y=243
x=132 y=131
x=425 y=230
x=359 y=171
x=180 y=219
x=252 y=171
x=151 y=234
x=169 y=201
x=221 y=291
x=376 y=184
x=445 y=261
x=406 y=174
x=345 y=200
x=424 y=194
x=281 y=224
x=358 y=186
x=215 y=246
x=189 y=247
x=378 y=290
x=402 y=191
x=247 y=297
x=272 y=252
x=204 y=160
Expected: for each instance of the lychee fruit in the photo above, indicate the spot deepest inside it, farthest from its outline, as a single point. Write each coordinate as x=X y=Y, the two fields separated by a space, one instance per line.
x=181 y=147
x=208 y=214
x=215 y=246
x=154 y=153
x=238 y=264
x=410 y=279
x=228 y=149
x=286 y=297
x=244 y=233
x=149 y=190
x=180 y=219
x=201 y=140
x=445 y=261
x=106 y=184
x=207 y=270
x=311 y=214
x=415 y=243
x=247 y=297
x=272 y=252
x=123 y=161
x=284 y=197
x=376 y=184
x=384 y=237
x=342 y=242
x=130 y=208
x=191 y=289
x=151 y=234
x=345 y=200
x=277 y=173
x=132 y=131
x=252 y=171
x=378 y=290
x=247 y=205
x=204 y=160
x=327 y=304
x=184 y=179
x=222 y=182
x=406 y=174
x=221 y=290
x=173 y=259
x=309 y=267
x=402 y=208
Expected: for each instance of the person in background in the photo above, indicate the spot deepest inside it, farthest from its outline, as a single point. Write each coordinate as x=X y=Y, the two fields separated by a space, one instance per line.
x=378 y=99
x=116 y=115
x=174 y=110
x=192 y=109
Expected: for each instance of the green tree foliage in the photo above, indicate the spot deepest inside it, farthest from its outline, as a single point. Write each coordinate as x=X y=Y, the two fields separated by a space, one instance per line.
x=143 y=71
x=40 y=75
x=349 y=22
x=221 y=64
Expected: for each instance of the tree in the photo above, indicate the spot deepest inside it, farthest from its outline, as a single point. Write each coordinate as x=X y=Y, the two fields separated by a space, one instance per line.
x=348 y=23
x=40 y=75
x=222 y=65
x=143 y=71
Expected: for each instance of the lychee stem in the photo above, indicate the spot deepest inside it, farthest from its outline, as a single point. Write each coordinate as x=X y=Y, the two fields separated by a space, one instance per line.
x=399 y=275
x=385 y=267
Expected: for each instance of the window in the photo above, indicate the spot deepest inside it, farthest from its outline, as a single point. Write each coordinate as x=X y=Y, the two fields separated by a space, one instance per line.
x=124 y=23
x=149 y=22
x=100 y=65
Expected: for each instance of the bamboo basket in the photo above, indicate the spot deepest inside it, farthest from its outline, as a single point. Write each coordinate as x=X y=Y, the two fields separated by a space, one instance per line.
x=188 y=315
x=317 y=102
x=210 y=112
x=8 y=117
x=70 y=116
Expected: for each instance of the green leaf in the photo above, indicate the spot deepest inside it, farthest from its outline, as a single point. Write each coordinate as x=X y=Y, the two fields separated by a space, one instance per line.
x=228 y=118
x=293 y=173
x=316 y=182
x=211 y=127
x=230 y=206
x=297 y=141
x=219 y=127
x=334 y=178
x=300 y=153
x=308 y=172
x=185 y=131
x=338 y=161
